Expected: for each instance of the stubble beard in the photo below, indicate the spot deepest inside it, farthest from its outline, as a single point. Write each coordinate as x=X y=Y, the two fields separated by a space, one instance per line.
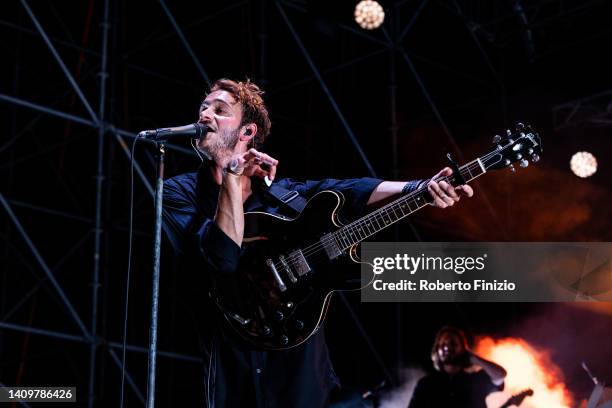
x=221 y=148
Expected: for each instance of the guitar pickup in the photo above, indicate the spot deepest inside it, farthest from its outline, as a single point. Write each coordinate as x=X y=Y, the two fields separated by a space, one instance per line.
x=299 y=262
x=330 y=245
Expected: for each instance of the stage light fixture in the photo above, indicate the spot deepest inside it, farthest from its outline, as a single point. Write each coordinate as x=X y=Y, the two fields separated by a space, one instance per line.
x=583 y=164
x=369 y=14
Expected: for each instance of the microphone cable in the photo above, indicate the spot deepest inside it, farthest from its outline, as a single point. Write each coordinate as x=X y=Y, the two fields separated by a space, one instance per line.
x=129 y=270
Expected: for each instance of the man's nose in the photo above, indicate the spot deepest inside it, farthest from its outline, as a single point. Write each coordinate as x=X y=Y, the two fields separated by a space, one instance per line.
x=206 y=116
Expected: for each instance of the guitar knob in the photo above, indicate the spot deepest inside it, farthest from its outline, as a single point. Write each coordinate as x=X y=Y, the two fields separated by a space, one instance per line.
x=299 y=325
x=497 y=139
x=508 y=132
x=279 y=316
x=508 y=162
x=283 y=340
x=266 y=330
x=512 y=169
x=524 y=163
x=519 y=156
x=530 y=151
x=535 y=158
x=289 y=305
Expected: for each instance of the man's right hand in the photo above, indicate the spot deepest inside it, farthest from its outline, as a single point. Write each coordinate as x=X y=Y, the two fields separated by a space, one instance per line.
x=253 y=163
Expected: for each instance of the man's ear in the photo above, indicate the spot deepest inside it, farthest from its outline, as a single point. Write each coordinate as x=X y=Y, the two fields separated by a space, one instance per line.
x=249 y=132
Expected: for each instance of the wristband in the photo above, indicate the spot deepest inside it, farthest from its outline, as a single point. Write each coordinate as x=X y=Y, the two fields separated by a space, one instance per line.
x=413 y=185
x=227 y=170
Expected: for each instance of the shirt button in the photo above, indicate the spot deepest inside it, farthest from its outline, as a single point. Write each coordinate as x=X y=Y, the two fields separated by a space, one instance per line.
x=258 y=371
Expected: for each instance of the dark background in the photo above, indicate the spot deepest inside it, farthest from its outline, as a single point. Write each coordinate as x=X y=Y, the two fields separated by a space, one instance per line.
x=462 y=72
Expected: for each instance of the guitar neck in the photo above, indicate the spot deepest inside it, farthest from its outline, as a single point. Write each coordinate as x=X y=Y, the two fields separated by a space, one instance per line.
x=402 y=207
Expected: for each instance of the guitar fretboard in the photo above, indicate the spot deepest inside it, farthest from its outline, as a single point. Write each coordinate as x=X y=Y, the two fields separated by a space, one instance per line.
x=402 y=207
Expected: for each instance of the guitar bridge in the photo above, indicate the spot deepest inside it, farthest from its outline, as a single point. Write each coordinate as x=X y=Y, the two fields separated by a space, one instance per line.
x=287 y=269
x=277 y=278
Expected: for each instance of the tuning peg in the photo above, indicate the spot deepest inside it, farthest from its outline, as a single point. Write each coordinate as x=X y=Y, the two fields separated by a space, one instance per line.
x=508 y=132
x=512 y=169
x=497 y=139
x=524 y=163
x=535 y=158
x=519 y=156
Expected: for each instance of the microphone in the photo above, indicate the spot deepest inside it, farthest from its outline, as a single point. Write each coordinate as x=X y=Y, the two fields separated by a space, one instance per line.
x=192 y=131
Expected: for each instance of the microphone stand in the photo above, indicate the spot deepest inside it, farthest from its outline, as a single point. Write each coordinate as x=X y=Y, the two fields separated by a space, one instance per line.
x=160 y=137
x=159 y=189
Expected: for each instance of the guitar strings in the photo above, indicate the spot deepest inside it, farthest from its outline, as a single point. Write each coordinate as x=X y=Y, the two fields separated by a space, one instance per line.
x=316 y=252
x=357 y=225
x=357 y=228
x=363 y=222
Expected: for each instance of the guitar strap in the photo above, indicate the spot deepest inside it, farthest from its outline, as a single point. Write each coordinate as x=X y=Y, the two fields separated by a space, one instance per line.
x=288 y=198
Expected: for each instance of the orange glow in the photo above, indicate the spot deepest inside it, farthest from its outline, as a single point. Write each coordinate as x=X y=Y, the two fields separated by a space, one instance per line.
x=527 y=368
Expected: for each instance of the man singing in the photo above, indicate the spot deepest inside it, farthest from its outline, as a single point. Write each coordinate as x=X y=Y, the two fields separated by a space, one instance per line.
x=204 y=220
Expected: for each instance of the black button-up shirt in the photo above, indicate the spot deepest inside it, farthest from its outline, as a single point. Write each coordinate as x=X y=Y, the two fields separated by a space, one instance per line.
x=462 y=390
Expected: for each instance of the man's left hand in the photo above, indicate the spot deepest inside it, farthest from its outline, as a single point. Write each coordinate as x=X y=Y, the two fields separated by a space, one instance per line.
x=444 y=194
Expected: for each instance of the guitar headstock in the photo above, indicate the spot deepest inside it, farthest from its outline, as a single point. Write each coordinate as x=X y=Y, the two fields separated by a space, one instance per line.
x=517 y=399
x=519 y=145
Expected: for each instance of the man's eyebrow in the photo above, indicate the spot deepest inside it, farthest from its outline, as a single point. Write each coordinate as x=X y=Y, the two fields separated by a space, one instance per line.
x=205 y=103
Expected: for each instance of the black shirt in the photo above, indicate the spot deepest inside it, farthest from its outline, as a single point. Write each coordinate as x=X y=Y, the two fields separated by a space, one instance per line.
x=238 y=376
x=463 y=390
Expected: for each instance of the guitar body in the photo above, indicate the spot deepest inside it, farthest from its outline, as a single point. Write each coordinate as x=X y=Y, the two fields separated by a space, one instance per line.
x=287 y=273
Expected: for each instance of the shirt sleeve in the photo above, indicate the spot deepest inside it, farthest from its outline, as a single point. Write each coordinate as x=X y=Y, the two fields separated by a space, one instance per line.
x=486 y=383
x=356 y=192
x=190 y=233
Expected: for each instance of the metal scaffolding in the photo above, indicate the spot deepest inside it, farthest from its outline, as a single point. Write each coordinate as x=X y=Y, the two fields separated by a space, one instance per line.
x=109 y=135
x=88 y=335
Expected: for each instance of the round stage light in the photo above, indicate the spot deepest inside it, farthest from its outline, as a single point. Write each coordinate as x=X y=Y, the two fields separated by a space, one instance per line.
x=583 y=164
x=369 y=14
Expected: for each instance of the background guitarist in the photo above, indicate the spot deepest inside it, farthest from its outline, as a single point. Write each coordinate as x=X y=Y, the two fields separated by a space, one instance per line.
x=455 y=384
x=204 y=221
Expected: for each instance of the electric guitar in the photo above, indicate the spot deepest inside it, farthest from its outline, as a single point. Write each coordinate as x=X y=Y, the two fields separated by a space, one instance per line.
x=291 y=266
